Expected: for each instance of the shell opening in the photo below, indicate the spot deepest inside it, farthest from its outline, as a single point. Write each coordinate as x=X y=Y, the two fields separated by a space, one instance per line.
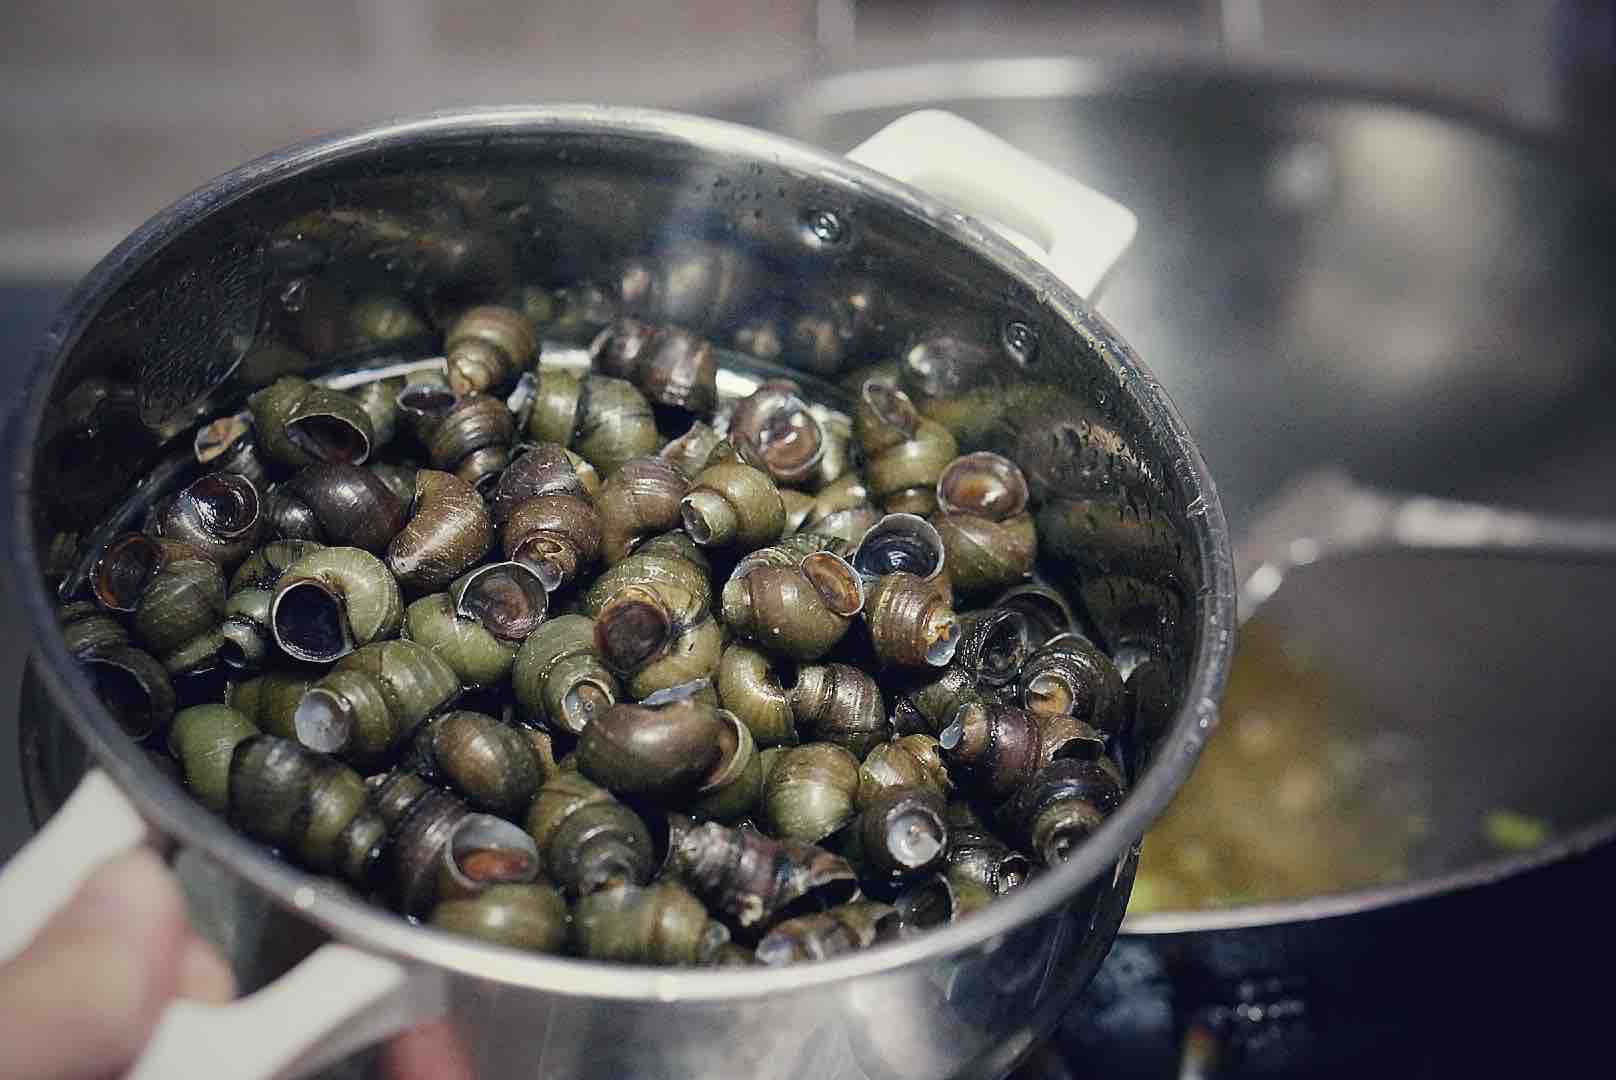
x=509 y=599
x=323 y=721
x=1014 y=869
x=633 y=629
x=1047 y=694
x=708 y=518
x=983 y=483
x=944 y=637
x=487 y=850
x=928 y=904
x=124 y=570
x=914 y=838
x=900 y=542
x=310 y=623
x=242 y=648
x=582 y=703
x=329 y=439
x=427 y=400
x=1002 y=650
x=226 y=502
x=124 y=694
x=837 y=582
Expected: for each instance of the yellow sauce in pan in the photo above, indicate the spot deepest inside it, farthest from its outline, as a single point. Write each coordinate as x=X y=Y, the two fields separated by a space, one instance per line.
x=1297 y=794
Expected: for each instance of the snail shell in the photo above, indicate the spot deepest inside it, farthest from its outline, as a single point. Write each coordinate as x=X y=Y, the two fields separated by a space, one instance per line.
x=842 y=508
x=641 y=499
x=471 y=437
x=907 y=761
x=1070 y=675
x=1062 y=806
x=668 y=746
x=748 y=687
x=559 y=678
x=997 y=749
x=607 y=421
x=671 y=366
x=652 y=620
x=301 y=423
x=487 y=347
x=270 y=700
x=530 y=916
x=733 y=506
x=776 y=422
x=801 y=612
x=655 y=924
x=333 y=600
x=134 y=687
x=735 y=784
x=752 y=880
x=491 y=764
x=1045 y=610
x=558 y=535
x=339 y=504
x=203 y=738
x=841 y=704
x=691 y=450
x=217 y=514
x=976 y=855
x=87 y=629
x=904 y=452
x=448 y=532
x=809 y=790
x=371 y=703
x=588 y=839
x=911 y=625
x=546 y=469
x=900 y=543
x=902 y=832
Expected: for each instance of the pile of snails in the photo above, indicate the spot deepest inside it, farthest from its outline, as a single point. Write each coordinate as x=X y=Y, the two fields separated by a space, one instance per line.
x=599 y=663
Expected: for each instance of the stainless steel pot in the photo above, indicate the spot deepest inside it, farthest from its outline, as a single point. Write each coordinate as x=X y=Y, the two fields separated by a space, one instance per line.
x=553 y=195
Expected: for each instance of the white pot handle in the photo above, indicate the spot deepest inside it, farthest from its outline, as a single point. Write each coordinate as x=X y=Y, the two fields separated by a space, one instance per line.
x=338 y=1000
x=1077 y=232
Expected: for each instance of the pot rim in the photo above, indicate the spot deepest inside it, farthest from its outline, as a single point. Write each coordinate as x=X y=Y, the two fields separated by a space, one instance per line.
x=351 y=919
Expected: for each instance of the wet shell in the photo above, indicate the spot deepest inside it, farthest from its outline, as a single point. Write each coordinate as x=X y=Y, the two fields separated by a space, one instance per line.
x=343 y=505
x=558 y=535
x=449 y=531
x=218 y=515
x=559 y=678
x=995 y=752
x=800 y=612
x=733 y=506
x=607 y=421
x=751 y=880
x=333 y=600
x=270 y=700
x=546 y=469
x=641 y=499
x=977 y=856
x=902 y=832
x=1062 y=806
x=904 y=452
x=588 y=839
x=910 y=624
x=748 y=687
x=671 y=366
x=776 y=422
x=203 y=738
x=656 y=924
x=489 y=763
x=300 y=423
x=825 y=934
x=531 y=916
x=370 y=704
x=1070 y=676
x=487 y=347
x=841 y=704
x=134 y=687
x=907 y=761
x=809 y=791
x=658 y=749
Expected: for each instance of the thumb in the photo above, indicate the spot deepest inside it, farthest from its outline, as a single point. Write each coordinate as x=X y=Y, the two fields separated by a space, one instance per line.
x=84 y=996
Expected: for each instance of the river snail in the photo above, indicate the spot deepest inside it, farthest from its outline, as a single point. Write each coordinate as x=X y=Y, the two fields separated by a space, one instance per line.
x=302 y=423
x=588 y=839
x=653 y=924
x=670 y=365
x=174 y=594
x=370 y=704
x=529 y=915
x=340 y=504
x=996 y=750
x=469 y=435
x=559 y=536
x=606 y=421
x=800 y=611
x=332 y=601
x=776 y=422
x=653 y=622
x=559 y=678
x=900 y=833
x=691 y=450
x=752 y=880
x=307 y=804
x=843 y=508
x=734 y=506
x=538 y=470
x=218 y=514
x=809 y=791
x=841 y=704
x=641 y=499
x=477 y=625
x=487 y=347
x=1059 y=807
x=749 y=686
x=910 y=624
x=491 y=764
x=978 y=856
x=667 y=746
x=984 y=523
x=449 y=531
x=1070 y=675
x=248 y=638
x=907 y=761
x=905 y=453
x=270 y=700
x=202 y=739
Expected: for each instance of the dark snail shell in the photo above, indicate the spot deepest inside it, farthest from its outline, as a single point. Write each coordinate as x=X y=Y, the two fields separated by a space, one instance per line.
x=907 y=761
x=904 y=452
x=652 y=622
x=733 y=506
x=485 y=851
x=670 y=365
x=588 y=839
x=843 y=509
x=825 y=934
x=748 y=687
x=399 y=479
x=248 y=637
x=978 y=856
x=655 y=924
x=489 y=763
x=558 y=535
x=546 y=469
x=301 y=423
x=1069 y=675
x=558 y=677
x=530 y=916
x=691 y=450
x=343 y=505
x=936 y=900
x=985 y=555
x=217 y=514
x=87 y=629
x=641 y=499
x=1065 y=736
x=487 y=347
x=996 y=751
x=1045 y=610
x=901 y=833
x=900 y=542
x=985 y=484
x=202 y=739
x=423 y=820
x=477 y=625
x=776 y=422
x=177 y=595
x=809 y=790
x=1062 y=806
x=605 y=420
x=800 y=612
x=993 y=646
x=448 y=532
x=665 y=747
x=911 y=625
x=370 y=704
x=332 y=601
x=264 y=567
x=134 y=687
x=472 y=437
x=735 y=785
x=841 y=704
x=270 y=700
x=308 y=805
x=751 y=880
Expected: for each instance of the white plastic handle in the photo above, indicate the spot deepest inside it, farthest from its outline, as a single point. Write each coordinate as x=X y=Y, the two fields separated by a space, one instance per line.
x=1077 y=232
x=337 y=1001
